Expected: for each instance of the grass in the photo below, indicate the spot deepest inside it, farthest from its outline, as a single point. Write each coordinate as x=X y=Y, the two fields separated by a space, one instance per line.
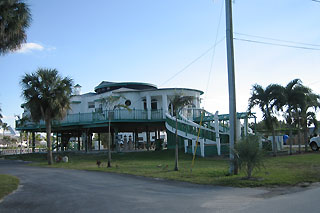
x=8 y=183
x=278 y=171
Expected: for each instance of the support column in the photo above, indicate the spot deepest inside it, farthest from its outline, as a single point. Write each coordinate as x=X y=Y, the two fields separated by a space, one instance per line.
x=246 y=126
x=164 y=105
x=193 y=145
x=238 y=128
x=33 y=141
x=99 y=141
x=136 y=139
x=202 y=146
x=216 y=126
x=79 y=148
x=112 y=140
x=90 y=141
x=148 y=99
x=148 y=138
x=116 y=139
x=57 y=141
x=125 y=143
x=84 y=141
x=186 y=145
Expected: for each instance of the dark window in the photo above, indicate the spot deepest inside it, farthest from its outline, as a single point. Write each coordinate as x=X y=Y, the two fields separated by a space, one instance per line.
x=127 y=103
x=154 y=104
x=91 y=105
x=144 y=104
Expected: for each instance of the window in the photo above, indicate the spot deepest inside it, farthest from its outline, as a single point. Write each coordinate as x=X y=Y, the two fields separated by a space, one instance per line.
x=127 y=103
x=90 y=105
x=154 y=105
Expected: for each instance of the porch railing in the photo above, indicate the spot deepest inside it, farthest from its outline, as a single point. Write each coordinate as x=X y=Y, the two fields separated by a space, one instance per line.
x=99 y=117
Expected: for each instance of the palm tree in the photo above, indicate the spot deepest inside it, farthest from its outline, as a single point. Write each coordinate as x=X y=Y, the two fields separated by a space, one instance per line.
x=269 y=101
x=15 y=17
x=4 y=128
x=109 y=104
x=47 y=96
x=312 y=101
x=294 y=96
x=0 y=116
x=178 y=102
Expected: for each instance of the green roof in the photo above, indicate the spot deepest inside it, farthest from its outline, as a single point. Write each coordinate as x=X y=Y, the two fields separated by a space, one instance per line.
x=130 y=85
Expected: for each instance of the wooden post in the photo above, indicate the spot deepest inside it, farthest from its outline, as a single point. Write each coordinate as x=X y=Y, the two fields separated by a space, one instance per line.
x=78 y=141
x=148 y=138
x=135 y=136
x=99 y=141
x=57 y=140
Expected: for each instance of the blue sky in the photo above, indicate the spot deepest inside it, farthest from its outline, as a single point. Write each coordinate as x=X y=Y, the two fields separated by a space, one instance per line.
x=150 y=41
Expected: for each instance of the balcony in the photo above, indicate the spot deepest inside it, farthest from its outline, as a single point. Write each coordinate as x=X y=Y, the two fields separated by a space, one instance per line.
x=119 y=115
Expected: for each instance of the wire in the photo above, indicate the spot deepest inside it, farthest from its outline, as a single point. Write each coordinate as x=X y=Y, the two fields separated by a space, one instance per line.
x=274 y=39
x=214 y=52
x=192 y=62
x=318 y=1
x=274 y=44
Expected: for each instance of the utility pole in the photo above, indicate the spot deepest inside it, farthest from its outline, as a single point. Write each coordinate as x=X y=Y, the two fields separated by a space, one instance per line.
x=231 y=83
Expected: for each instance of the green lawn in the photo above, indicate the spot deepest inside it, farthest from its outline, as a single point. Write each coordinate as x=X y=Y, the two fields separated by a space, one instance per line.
x=8 y=183
x=278 y=171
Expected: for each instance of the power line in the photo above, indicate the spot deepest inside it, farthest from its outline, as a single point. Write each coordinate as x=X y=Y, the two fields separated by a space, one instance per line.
x=275 y=44
x=192 y=62
x=214 y=51
x=318 y=1
x=187 y=66
x=275 y=39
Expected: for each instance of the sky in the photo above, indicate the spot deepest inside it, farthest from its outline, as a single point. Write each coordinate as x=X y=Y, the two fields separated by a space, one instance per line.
x=169 y=43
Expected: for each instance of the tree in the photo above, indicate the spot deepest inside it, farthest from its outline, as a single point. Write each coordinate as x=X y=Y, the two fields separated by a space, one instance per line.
x=0 y=116
x=4 y=128
x=308 y=118
x=110 y=103
x=47 y=97
x=15 y=18
x=269 y=100
x=178 y=102
x=294 y=96
x=248 y=154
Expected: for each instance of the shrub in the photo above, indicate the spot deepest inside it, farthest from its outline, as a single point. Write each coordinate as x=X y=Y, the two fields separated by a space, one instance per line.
x=159 y=143
x=248 y=154
x=267 y=145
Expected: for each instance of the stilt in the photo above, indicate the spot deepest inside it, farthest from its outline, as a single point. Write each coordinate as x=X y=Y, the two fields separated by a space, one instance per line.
x=116 y=140
x=112 y=140
x=148 y=139
x=135 y=136
x=99 y=142
x=79 y=142
x=33 y=141
x=158 y=134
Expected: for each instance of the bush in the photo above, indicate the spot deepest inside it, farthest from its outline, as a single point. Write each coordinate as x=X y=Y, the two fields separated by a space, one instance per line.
x=267 y=145
x=248 y=154
x=159 y=143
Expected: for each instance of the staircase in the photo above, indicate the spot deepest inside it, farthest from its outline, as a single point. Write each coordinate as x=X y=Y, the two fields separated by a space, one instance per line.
x=187 y=130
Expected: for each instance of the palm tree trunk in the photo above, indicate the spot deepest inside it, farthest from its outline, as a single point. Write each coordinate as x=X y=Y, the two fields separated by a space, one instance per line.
x=49 y=145
x=274 y=143
x=177 y=147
